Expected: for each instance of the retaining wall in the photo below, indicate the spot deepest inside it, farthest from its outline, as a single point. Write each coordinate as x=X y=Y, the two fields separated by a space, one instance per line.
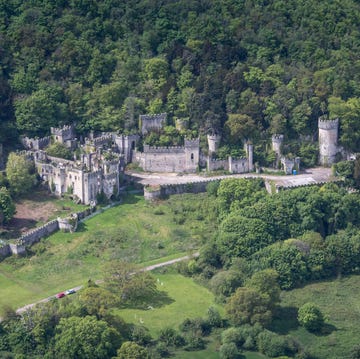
x=33 y=236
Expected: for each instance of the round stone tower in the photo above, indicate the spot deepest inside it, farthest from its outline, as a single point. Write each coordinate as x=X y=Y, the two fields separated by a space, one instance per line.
x=328 y=137
x=276 y=142
x=213 y=142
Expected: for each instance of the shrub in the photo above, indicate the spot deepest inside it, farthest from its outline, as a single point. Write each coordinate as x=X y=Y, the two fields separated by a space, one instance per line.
x=271 y=344
x=310 y=317
x=229 y=351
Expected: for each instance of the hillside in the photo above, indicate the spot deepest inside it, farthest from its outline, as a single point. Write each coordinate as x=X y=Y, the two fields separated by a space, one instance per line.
x=242 y=68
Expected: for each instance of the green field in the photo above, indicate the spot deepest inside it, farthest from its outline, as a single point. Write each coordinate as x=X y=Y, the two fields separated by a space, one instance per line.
x=136 y=230
x=339 y=300
x=181 y=298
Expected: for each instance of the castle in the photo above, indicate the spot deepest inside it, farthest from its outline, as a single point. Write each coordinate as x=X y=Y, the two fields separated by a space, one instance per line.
x=103 y=158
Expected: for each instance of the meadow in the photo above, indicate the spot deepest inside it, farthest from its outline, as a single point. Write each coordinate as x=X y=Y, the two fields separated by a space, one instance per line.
x=339 y=301
x=137 y=231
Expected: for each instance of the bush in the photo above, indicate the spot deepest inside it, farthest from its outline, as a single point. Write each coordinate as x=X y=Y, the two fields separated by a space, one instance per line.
x=225 y=282
x=229 y=351
x=310 y=317
x=271 y=344
x=170 y=337
x=140 y=335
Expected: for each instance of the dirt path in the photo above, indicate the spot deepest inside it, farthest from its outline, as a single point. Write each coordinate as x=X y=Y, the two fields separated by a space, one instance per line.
x=145 y=269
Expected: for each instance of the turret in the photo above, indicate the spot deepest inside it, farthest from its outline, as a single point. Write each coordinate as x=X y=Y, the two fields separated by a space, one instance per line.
x=213 y=142
x=328 y=137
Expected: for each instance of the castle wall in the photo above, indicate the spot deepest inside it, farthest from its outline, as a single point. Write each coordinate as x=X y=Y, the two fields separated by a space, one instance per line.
x=163 y=161
x=328 y=137
x=35 y=143
x=238 y=165
x=34 y=236
x=215 y=165
x=152 y=122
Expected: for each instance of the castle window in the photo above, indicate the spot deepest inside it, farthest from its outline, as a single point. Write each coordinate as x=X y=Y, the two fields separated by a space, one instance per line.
x=192 y=156
x=133 y=145
x=75 y=178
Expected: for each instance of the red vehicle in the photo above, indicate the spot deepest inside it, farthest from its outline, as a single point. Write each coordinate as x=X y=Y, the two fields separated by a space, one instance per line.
x=60 y=295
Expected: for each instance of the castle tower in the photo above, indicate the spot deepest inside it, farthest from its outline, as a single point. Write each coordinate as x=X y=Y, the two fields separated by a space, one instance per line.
x=249 y=148
x=192 y=154
x=328 y=137
x=152 y=122
x=276 y=143
x=213 y=142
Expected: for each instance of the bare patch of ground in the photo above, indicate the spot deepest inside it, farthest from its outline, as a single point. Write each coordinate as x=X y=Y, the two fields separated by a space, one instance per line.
x=31 y=211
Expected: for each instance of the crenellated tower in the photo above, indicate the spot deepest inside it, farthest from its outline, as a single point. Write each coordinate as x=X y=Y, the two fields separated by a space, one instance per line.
x=328 y=137
x=213 y=142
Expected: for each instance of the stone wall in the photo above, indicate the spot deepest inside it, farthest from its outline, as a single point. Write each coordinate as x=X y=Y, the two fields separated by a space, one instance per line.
x=163 y=191
x=33 y=236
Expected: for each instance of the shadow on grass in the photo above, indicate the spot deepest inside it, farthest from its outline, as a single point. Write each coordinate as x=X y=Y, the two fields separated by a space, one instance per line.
x=81 y=227
x=285 y=320
x=326 y=329
x=158 y=300
x=130 y=199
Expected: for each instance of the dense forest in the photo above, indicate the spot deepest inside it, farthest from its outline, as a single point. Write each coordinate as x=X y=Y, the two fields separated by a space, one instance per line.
x=245 y=69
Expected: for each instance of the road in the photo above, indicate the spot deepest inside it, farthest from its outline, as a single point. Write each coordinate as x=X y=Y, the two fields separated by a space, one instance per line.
x=310 y=176
x=145 y=269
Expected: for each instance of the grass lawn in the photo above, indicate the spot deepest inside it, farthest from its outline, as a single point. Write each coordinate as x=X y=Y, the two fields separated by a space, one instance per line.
x=136 y=231
x=339 y=300
x=181 y=298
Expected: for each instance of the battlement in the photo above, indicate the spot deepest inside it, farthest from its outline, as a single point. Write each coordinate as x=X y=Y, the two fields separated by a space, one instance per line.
x=152 y=122
x=35 y=143
x=191 y=142
x=277 y=138
x=155 y=149
x=66 y=132
x=325 y=124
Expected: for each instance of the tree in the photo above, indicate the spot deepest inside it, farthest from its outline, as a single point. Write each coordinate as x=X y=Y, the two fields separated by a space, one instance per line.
x=85 y=338
x=40 y=110
x=97 y=300
x=241 y=127
x=266 y=282
x=20 y=173
x=133 y=286
x=7 y=206
x=247 y=305
x=131 y=350
x=310 y=317
x=58 y=149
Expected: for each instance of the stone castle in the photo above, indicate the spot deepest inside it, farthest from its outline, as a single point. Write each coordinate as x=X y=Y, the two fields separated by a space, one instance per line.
x=101 y=159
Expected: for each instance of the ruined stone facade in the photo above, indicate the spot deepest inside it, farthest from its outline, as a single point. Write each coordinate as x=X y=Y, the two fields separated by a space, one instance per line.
x=328 y=140
x=170 y=159
x=85 y=179
x=150 y=123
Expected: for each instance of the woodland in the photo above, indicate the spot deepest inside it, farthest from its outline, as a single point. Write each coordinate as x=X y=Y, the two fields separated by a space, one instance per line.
x=244 y=69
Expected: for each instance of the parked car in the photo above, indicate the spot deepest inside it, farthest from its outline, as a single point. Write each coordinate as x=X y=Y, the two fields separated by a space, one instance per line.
x=60 y=295
x=70 y=291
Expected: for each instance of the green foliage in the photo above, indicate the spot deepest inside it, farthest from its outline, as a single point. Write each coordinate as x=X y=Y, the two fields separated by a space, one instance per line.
x=7 y=206
x=20 y=174
x=131 y=350
x=248 y=306
x=132 y=287
x=58 y=149
x=273 y=345
x=310 y=317
x=229 y=351
x=85 y=338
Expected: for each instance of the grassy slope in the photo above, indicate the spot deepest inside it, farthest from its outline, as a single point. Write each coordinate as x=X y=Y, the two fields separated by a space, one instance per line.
x=130 y=231
x=182 y=298
x=339 y=300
